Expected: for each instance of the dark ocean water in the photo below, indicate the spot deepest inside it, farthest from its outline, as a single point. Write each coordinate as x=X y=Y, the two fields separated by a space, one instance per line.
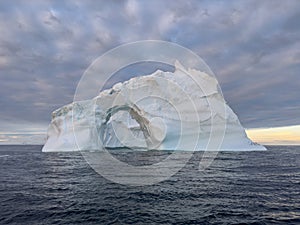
x=238 y=188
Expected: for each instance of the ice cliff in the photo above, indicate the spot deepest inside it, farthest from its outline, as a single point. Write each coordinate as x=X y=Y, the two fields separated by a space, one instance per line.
x=163 y=111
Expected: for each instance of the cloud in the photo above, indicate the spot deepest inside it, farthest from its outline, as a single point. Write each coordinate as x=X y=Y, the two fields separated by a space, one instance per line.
x=252 y=46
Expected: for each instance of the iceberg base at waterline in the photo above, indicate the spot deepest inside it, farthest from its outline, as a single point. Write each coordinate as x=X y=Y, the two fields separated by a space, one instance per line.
x=180 y=110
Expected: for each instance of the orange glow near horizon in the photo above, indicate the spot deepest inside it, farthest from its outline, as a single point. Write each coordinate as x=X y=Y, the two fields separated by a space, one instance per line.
x=289 y=135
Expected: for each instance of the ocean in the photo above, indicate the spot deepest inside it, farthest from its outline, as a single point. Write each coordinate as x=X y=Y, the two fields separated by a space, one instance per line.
x=238 y=188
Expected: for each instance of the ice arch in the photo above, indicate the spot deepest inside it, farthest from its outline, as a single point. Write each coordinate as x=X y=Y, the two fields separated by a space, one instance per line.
x=153 y=133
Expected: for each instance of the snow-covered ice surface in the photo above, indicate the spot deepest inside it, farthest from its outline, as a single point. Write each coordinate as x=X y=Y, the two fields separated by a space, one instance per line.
x=162 y=111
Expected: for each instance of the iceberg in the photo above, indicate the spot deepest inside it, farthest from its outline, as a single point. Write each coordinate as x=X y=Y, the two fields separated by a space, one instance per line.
x=180 y=110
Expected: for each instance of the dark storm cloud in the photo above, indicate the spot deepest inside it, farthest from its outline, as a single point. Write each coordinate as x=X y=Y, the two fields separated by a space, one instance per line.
x=252 y=46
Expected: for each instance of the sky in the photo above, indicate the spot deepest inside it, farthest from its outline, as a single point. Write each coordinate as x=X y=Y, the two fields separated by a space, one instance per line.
x=252 y=46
